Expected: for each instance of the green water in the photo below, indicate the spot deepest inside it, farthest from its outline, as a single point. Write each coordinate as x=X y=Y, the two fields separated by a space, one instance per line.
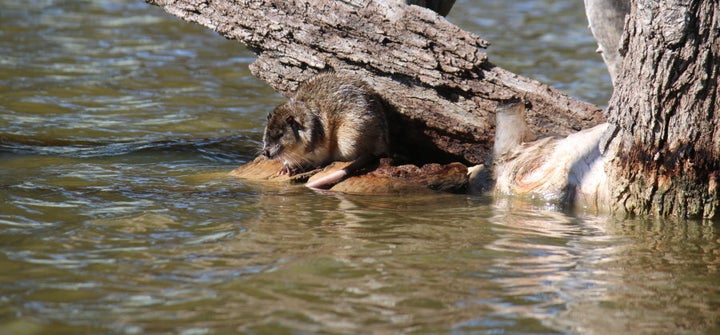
x=118 y=123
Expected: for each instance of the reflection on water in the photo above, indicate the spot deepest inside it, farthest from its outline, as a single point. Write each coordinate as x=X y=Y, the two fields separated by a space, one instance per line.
x=118 y=124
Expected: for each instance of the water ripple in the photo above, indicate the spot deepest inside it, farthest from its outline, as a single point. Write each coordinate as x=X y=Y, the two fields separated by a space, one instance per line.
x=238 y=147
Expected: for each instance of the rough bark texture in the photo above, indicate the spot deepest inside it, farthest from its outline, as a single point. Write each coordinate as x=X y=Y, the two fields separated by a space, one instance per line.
x=665 y=149
x=607 y=19
x=442 y=89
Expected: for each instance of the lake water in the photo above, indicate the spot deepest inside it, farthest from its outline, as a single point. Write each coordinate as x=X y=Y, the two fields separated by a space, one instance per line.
x=119 y=122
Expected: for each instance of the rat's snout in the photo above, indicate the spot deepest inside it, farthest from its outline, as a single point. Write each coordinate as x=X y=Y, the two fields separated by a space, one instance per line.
x=271 y=151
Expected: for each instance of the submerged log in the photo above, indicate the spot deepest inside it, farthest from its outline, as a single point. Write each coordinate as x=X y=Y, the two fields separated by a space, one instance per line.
x=384 y=179
x=440 y=85
x=569 y=171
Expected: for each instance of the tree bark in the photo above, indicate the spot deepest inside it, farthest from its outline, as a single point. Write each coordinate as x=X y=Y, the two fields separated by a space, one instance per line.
x=664 y=148
x=441 y=87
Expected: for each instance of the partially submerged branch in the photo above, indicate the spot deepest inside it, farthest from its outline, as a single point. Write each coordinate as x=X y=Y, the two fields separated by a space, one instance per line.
x=567 y=170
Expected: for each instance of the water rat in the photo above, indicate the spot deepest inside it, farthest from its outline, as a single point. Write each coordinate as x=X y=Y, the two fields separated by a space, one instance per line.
x=331 y=117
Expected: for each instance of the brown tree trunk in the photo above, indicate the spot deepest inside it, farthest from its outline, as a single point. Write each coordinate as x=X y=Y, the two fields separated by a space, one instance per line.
x=442 y=89
x=664 y=148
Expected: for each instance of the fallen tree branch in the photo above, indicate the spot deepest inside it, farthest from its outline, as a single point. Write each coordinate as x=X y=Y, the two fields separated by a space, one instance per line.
x=441 y=86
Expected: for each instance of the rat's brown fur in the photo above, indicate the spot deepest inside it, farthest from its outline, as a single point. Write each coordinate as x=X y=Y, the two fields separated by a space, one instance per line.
x=331 y=117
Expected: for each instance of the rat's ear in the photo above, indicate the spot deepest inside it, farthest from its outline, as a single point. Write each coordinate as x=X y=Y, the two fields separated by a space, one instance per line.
x=293 y=123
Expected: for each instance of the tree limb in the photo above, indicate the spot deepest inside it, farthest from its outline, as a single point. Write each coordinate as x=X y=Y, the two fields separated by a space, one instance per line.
x=441 y=86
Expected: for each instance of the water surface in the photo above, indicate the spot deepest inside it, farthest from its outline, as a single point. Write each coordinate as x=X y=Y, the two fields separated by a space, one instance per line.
x=117 y=126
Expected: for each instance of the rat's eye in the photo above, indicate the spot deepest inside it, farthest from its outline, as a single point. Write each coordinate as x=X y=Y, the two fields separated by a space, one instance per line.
x=276 y=136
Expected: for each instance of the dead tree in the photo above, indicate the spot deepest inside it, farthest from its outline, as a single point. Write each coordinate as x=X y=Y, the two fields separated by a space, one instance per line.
x=440 y=84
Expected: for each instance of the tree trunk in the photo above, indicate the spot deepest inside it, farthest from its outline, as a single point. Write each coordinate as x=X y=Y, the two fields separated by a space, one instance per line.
x=442 y=89
x=664 y=148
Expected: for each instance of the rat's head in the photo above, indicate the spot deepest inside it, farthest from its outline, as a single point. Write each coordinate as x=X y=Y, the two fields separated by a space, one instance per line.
x=291 y=132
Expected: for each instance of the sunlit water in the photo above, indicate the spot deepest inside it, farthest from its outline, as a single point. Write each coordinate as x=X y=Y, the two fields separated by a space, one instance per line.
x=119 y=122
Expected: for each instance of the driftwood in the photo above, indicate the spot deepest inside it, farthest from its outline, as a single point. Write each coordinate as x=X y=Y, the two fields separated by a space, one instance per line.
x=383 y=179
x=569 y=171
x=441 y=87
